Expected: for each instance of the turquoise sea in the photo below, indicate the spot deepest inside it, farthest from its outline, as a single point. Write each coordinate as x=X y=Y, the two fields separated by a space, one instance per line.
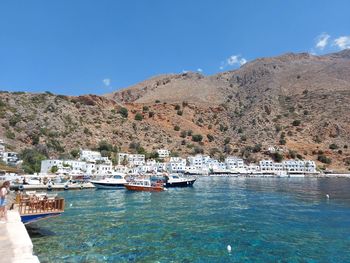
x=263 y=220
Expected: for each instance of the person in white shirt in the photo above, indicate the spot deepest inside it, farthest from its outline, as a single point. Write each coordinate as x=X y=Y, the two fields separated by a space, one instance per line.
x=3 y=192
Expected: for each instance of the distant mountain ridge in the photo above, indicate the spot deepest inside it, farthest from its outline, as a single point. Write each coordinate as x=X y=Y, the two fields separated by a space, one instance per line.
x=299 y=103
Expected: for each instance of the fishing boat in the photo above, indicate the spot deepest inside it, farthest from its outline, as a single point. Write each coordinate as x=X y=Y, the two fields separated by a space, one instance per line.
x=113 y=182
x=178 y=180
x=145 y=185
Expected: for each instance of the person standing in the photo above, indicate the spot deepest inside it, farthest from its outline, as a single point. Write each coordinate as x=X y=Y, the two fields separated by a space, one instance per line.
x=3 y=192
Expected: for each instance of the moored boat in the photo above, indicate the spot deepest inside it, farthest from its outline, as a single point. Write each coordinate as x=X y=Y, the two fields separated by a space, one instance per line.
x=178 y=180
x=113 y=182
x=33 y=207
x=145 y=185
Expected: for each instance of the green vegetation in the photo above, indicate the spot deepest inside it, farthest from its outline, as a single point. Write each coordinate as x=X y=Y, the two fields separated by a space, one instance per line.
x=296 y=122
x=135 y=147
x=10 y=135
x=75 y=153
x=177 y=107
x=35 y=138
x=176 y=128
x=210 y=137
x=283 y=141
x=256 y=148
x=277 y=157
x=183 y=134
x=14 y=119
x=145 y=108
x=333 y=146
x=197 y=137
x=223 y=128
x=123 y=112
x=324 y=159
x=197 y=150
x=243 y=138
x=299 y=156
x=153 y=155
x=138 y=117
x=55 y=145
x=157 y=101
x=32 y=160
x=179 y=112
x=54 y=169
x=87 y=131
x=3 y=107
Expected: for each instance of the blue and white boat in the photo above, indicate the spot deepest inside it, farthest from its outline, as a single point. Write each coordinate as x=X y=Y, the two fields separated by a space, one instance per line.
x=114 y=182
x=178 y=180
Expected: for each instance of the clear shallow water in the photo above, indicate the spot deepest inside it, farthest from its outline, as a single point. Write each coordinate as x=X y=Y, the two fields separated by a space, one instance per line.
x=264 y=220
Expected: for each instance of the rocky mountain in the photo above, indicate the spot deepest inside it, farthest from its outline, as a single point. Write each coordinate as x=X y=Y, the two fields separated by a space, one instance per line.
x=297 y=103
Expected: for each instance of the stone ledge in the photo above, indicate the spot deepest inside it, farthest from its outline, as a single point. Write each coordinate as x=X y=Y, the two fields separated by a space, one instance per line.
x=15 y=241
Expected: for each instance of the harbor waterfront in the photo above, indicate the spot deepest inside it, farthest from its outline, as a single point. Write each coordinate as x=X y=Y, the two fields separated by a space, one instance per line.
x=261 y=219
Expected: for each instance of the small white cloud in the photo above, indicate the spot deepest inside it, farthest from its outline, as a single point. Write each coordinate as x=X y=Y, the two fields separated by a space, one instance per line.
x=107 y=82
x=199 y=70
x=342 y=42
x=322 y=41
x=234 y=60
x=242 y=61
x=184 y=71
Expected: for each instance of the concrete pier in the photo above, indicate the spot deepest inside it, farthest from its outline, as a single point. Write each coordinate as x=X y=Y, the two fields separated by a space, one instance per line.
x=15 y=243
x=55 y=187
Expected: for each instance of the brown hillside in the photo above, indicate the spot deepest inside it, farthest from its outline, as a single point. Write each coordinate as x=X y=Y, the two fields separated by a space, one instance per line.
x=296 y=102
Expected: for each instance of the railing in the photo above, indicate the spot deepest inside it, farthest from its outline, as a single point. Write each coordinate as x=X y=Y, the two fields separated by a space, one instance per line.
x=35 y=205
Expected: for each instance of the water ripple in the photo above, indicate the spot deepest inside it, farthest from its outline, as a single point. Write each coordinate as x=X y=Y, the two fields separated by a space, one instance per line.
x=264 y=220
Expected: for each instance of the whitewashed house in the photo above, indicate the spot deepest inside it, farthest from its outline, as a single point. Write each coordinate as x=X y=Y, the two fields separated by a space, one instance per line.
x=131 y=159
x=199 y=161
x=299 y=166
x=93 y=157
x=176 y=164
x=2 y=147
x=10 y=158
x=233 y=162
x=163 y=153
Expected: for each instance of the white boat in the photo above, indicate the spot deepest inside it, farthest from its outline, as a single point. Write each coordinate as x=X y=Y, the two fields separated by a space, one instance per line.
x=113 y=182
x=178 y=180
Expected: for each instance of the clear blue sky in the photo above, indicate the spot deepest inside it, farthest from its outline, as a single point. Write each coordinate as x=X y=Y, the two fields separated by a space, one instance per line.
x=96 y=46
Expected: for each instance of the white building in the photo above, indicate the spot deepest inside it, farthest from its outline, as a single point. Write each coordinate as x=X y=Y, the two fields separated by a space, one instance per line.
x=233 y=162
x=89 y=156
x=2 y=147
x=63 y=166
x=163 y=153
x=298 y=166
x=267 y=166
x=161 y=167
x=176 y=164
x=289 y=166
x=75 y=167
x=93 y=157
x=199 y=161
x=10 y=158
x=131 y=159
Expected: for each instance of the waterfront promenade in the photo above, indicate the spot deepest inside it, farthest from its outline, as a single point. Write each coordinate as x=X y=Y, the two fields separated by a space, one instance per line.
x=16 y=245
